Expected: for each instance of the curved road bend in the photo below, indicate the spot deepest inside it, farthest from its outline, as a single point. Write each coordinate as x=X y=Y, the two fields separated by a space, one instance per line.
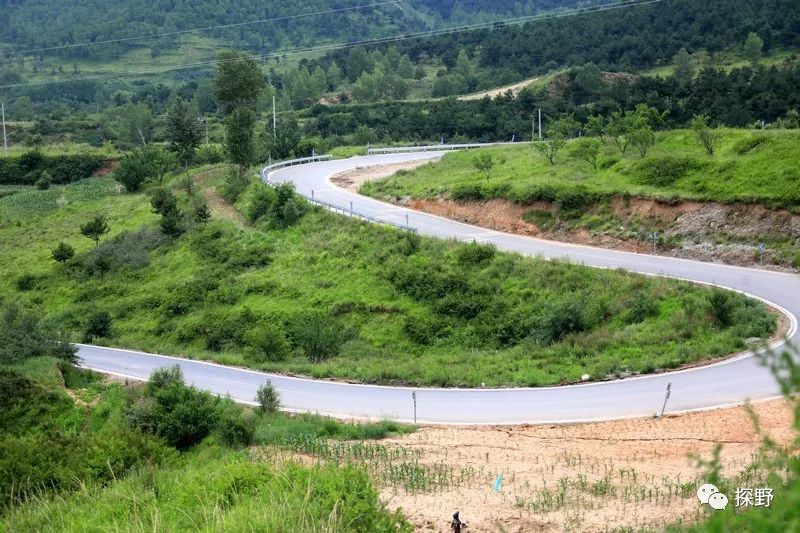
x=729 y=382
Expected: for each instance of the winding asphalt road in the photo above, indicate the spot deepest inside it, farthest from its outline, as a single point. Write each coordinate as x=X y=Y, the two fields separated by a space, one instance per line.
x=729 y=382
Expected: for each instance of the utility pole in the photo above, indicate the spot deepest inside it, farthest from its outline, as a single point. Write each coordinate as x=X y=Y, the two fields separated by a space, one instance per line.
x=274 y=120
x=5 y=138
x=540 y=123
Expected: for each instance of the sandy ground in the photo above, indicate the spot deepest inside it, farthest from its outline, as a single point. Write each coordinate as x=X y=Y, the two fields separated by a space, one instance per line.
x=583 y=477
x=514 y=88
x=352 y=179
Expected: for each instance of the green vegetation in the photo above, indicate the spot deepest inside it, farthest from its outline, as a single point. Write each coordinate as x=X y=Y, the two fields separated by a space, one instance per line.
x=30 y=167
x=303 y=291
x=747 y=166
x=79 y=452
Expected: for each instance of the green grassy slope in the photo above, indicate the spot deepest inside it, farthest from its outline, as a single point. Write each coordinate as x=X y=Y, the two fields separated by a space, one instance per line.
x=748 y=166
x=73 y=459
x=385 y=307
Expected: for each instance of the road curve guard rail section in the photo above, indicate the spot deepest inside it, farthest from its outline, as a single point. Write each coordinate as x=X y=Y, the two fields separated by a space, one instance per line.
x=433 y=148
x=266 y=171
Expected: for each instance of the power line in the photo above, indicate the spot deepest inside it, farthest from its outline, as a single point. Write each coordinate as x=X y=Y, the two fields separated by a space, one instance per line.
x=339 y=46
x=208 y=28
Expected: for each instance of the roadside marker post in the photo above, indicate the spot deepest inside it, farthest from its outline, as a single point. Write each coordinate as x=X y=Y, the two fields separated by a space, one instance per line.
x=414 y=399
x=655 y=241
x=407 y=226
x=762 y=248
x=666 y=397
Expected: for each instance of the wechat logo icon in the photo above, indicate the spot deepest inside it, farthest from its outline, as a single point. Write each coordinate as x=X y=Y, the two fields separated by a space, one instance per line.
x=709 y=494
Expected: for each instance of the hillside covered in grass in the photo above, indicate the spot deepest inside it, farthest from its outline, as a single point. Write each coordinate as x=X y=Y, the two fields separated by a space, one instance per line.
x=325 y=296
x=748 y=166
x=80 y=453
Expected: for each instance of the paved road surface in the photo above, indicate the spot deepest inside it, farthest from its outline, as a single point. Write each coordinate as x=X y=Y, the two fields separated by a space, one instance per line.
x=729 y=382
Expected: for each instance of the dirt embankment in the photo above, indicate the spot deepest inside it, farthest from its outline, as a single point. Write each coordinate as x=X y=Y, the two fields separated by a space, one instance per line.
x=704 y=231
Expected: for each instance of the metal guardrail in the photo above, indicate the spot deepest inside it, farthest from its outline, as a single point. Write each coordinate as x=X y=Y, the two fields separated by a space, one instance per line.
x=432 y=148
x=265 y=172
x=291 y=162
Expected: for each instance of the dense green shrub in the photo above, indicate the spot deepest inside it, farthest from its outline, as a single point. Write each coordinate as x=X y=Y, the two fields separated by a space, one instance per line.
x=183 y=416
x=46 y=447
x=572 y=202
x=99 y=324
x=468 y=191
x=268 y=398
x=260 y=203
x=665 y=171
x=425 y=330
x=27 y=168
x=267 y=342
x=63 y=252
x=642 y=308
x=129 y=250
x=722 y=306
x=23 y=335
x=317 y=334
x=210 y=154
x=26 y=282
x=475 y=254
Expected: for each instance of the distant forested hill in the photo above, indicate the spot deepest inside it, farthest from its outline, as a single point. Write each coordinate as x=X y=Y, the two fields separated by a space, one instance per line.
x=53 y=23
x=632 y=38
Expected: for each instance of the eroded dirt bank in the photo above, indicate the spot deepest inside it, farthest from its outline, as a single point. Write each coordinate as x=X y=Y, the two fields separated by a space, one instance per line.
x=705 y=231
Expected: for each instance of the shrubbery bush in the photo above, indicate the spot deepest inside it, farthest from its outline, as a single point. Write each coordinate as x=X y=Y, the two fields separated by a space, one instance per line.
x=183 y=416
x=29 y=167
x=317 y=334
x=23 y=336
x=665 y=171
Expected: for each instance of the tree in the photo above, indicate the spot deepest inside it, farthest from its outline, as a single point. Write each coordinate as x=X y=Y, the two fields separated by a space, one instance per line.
x=237 y=86
x=201 y=213
x=556 y=138
x=287 y=135
x=268 y=399
x=63 y=252
x=334 y=75
x=240 y=137
x=484 y=162
x=587 y=149
x=707 y=137
x=130 y=123
x=550 y=146
x=184 y=131
x=753 y=47
x=684 y=66
x=238 y=82
x=95 y=228
x=165 y=203
x=595 y=125
x=146 y=164
x=642 y=138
